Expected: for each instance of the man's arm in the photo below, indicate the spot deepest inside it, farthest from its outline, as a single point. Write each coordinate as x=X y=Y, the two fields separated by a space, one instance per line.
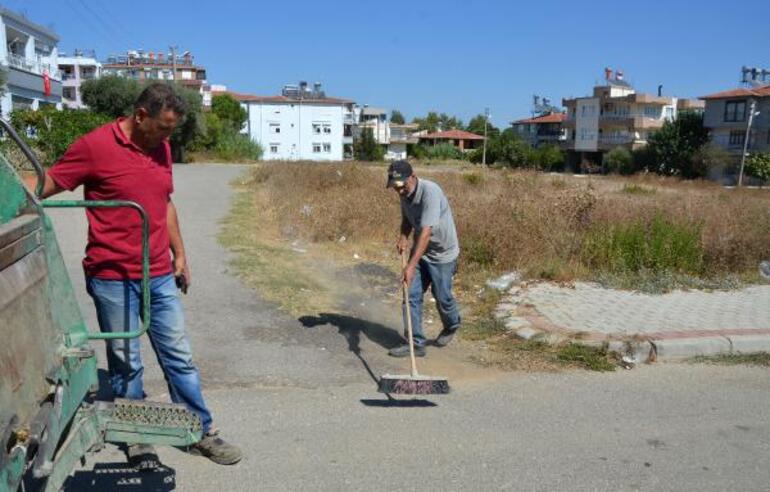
x=181 y=269
x=50 y=187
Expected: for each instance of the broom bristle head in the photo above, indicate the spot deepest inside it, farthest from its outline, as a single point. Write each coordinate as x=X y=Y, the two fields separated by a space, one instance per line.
x=413 y=385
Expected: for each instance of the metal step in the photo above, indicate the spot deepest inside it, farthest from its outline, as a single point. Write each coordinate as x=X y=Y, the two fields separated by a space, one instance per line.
x=135 y=421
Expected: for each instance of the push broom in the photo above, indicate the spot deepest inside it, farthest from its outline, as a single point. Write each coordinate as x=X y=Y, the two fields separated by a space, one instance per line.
x=414 y=383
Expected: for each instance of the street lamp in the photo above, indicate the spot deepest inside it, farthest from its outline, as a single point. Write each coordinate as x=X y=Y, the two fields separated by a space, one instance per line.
x=752 y=114
x=484 y=152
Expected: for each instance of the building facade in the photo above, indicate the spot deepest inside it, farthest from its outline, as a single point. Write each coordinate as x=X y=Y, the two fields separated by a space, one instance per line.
x=300 y=124
x=464 y=141
x=29 y=56
x=542 y=130
x=157 y=65
x=615 y=115
x=401 y=136
x=727 y=118
x=74 y=71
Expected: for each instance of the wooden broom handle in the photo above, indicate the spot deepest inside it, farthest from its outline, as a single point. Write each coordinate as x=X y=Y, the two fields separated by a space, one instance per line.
x=405 y=290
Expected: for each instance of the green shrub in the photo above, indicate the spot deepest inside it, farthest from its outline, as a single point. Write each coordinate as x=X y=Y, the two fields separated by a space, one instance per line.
x=634 y=189
x=548 y=158
x=444 y=151
x=658 y=246
x=366 y=148
x=476 y=251
x=619 y=161
x=233 y=146
x=758 y=165
x=473 y=178
x=54 y=131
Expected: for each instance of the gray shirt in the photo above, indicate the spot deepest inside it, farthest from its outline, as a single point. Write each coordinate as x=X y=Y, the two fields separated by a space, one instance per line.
x=429 y=207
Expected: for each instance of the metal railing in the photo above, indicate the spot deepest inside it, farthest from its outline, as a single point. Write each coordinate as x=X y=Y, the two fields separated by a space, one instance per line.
x=616 y=139
x=32 y=65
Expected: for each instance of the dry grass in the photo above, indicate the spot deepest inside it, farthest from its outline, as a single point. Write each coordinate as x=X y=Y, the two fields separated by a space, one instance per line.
x=533 y=222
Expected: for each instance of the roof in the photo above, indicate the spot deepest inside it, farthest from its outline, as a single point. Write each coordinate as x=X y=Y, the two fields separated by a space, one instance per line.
x=370 y=110
x=282 y=99
x=24 y=21
x=453 y=135
x=547 y=118
x=763 y=91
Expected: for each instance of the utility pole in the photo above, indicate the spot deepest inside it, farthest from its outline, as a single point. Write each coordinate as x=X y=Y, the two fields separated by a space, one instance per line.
x=484 y=152
x=173 y=62
x=752 y=109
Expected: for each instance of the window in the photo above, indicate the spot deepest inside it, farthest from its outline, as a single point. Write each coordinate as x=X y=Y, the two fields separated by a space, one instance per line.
x=317 y=128
x=669 y=113
x=273 y=148
x=316 y=148
x=327 y=128
x=736 y=138
x=275 y=128
x=735 y=111
x=327 y=148
x=768 y=136
x=651 y=112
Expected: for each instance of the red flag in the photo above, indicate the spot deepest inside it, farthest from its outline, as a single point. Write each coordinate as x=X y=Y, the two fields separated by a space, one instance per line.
x=46 y=83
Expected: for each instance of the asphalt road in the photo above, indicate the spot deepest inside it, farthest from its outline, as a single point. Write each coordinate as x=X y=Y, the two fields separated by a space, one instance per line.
x=306 y=411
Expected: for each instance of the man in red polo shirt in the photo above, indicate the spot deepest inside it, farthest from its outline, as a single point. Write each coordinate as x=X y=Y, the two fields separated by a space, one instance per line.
x=130 y=159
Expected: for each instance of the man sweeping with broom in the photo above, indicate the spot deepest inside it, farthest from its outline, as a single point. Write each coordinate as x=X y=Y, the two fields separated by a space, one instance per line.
x=433 y=260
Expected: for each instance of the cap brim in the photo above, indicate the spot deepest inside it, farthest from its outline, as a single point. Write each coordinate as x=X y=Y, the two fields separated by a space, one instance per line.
x=395 y=183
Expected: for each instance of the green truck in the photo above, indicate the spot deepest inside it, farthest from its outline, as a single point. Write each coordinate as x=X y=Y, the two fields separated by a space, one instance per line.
x=49 y=417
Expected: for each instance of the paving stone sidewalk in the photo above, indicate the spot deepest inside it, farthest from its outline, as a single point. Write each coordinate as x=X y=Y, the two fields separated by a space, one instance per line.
x=669 y=326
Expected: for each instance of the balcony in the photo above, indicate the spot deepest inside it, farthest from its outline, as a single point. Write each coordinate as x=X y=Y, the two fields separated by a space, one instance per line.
x=31 y=65
x=616 y=139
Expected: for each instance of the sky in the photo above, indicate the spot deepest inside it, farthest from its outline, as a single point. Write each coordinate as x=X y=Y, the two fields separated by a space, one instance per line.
x=417 y=56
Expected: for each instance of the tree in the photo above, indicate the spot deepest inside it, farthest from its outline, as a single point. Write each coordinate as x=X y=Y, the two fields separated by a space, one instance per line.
x=433 y=122
x=111 y=95
x=673 y=147
x=229 y=111
x=365 y=148
x=476 y=125
x=758 y=165
x=619 y=161
x=396 y=117
x=509 y=149
x=190 y=129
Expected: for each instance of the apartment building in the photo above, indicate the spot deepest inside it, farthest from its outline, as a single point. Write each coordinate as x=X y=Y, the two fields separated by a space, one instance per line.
x=74 y=71
x=615 y=115
x=544 y=129
x=157 y=65
x=29 y=56
x=727 y=116
x=401 y=136
x=302 y=123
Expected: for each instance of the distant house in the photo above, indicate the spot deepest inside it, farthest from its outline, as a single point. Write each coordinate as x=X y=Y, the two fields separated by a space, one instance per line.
x=74 y=71
x=615 y=115
x=302 y=123
x=29 y=56
x=543 y=129
x=726 y=116
x=461 y=139
x=400 y=137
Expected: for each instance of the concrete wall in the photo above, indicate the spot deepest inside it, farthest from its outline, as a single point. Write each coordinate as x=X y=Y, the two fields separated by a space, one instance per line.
x=587 y=124
x=296 y=139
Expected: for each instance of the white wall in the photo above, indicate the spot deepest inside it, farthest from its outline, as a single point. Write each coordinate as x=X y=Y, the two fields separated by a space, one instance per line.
x=587 y=124
x=297 y=138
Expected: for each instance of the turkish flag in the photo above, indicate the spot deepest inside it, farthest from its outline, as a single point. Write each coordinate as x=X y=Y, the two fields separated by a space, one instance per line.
x=46 y=83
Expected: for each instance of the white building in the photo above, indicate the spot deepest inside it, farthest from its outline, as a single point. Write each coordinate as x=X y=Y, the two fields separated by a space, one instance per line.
x=28 y=55
x=300 y=124
x=74 y=71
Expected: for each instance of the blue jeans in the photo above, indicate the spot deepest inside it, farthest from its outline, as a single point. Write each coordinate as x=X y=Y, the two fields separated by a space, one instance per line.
x=439 y=277
x=118 y=308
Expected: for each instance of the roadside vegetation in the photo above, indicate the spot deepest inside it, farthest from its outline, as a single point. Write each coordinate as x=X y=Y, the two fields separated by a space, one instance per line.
x=646 y=232
x=761 y=359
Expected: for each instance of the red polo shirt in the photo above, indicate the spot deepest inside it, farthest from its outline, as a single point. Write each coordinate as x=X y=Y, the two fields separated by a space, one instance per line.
x=110 y=167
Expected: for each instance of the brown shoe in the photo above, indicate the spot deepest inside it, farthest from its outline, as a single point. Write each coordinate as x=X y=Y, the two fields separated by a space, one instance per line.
x=216 y=449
